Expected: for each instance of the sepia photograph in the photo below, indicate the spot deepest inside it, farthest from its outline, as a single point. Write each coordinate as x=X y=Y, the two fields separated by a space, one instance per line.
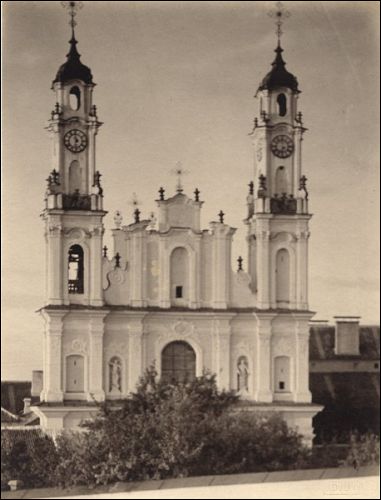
x=190 y=249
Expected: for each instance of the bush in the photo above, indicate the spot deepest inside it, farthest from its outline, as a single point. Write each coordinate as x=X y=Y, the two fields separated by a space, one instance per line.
x=175 y=430
x=161 y=431
x=29 y=456
x=363 y=450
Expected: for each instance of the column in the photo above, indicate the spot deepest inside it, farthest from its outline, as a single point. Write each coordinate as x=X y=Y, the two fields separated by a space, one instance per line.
x=263 y=359
x=95 y=380
x=297 y=166
x=222 y=335
x=302 y=392
x=138 y=257
x=96 y=292
x=195 y=281
x=93 y=129
x=302 y=270
x=53 y=355
x=164 y=278
x=222 y=235
x=56 y=261
x=135 y=350
x=263 y=266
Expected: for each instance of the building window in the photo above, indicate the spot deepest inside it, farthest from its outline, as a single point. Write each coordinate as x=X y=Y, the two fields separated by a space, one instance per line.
x=281 y=181
x=75 y=177
x=75 y=373
x=282 y=105
x=115 y=376
x=179 y=275
x=282 y=374
x=282 y=271
x=75 y=272
x=75 y=98
x=178 y=362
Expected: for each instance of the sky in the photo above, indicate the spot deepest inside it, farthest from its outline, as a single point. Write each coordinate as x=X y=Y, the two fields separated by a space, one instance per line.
x=176 y=82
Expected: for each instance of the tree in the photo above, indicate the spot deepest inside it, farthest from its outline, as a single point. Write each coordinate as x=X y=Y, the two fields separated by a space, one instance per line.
x=175 y=430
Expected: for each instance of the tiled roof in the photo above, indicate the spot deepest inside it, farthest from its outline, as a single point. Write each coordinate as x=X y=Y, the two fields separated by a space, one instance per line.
x=13 y=393
x=322 y=342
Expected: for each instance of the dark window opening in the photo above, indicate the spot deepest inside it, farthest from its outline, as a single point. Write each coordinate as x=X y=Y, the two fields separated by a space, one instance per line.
x=178 y=362
x=282 y=104
x=75 y=281
x=179 y=292
x=75 y=98
x=281 y=386
x=376 y=365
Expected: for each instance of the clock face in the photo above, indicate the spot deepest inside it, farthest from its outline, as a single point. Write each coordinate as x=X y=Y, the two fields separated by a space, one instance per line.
x=75 y=140
x=282 y=146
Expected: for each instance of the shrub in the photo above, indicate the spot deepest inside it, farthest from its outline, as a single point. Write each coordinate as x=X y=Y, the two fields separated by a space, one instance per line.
x=27 y=455
x=363 y=450
x=176 y=430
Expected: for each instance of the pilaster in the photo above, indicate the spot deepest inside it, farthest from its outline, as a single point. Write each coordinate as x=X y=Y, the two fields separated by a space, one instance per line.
x=222 y=333
x=263 y=358
x=96 y=332
x=52 y=391
x=302 y=393
x=135 y=352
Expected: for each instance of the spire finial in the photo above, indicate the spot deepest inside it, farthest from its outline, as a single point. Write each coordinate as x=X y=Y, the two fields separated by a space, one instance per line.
x=280 y=14
x=179 y=171
x=73 y=8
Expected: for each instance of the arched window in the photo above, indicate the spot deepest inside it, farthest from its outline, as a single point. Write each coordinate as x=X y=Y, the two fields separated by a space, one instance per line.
x=75 y=98
x=179 y=275
x=282 y=277
x=115 y=375
x=242 y=374
x=75 y=373
x=282 y=105
x=282 y=374
x=75 y=177
x=281 y=181
x=178 y=362
x=75 y=272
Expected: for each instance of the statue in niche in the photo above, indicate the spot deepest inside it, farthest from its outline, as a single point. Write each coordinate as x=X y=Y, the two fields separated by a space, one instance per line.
x=242 y=375
x=115 y=376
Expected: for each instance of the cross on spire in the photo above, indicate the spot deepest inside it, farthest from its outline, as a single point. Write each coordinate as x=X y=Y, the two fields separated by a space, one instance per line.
x=280 y=14
x=179 y=171
x=221 y=215
x=73 y=8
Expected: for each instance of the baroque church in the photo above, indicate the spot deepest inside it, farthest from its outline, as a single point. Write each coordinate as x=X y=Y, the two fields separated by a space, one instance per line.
x=167 y=294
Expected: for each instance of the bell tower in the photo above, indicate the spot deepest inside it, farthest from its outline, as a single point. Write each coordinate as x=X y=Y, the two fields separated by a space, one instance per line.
x=74 y=198
x=278 y=200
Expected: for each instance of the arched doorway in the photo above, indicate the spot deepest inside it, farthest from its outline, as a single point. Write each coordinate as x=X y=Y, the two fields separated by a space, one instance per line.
x=178 y=362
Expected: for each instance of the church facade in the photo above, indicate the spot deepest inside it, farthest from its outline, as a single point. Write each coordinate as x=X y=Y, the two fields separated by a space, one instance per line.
x=167 y=294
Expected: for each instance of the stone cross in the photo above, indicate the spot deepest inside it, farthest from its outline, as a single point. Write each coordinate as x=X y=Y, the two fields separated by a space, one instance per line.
x=117 y=260
x=197 y=195
x=137 y=216
x=221 y=216
x=240 y=260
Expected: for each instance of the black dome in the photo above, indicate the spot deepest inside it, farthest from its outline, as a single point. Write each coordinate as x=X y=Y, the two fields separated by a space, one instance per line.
x=73 y=69
x=279 y=76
